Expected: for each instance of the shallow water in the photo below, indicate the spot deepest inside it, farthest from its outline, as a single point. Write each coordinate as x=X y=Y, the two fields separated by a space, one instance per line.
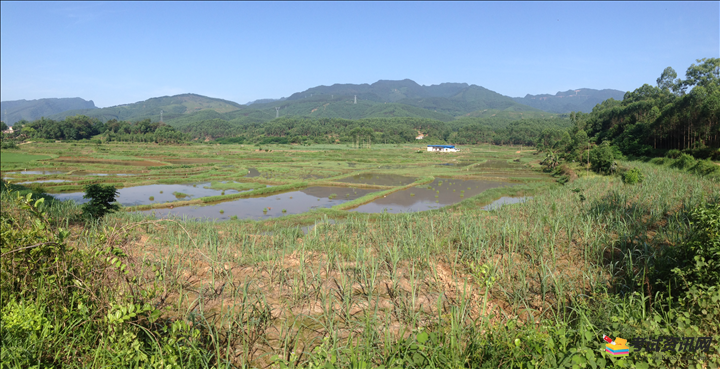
x=140 y=195
x=505 y=201
x=46 y=181
x=43 y=172
x=295 y=202
x=252 y=172
x=379 y=179
x=426 y=197
x=84 y=173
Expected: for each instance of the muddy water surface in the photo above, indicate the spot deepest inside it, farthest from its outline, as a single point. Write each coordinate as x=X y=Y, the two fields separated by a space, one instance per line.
x=295 y=202
x=379 y=179
x=140 y=195
x=441 y=192
x=43 y=172
x=46 y=181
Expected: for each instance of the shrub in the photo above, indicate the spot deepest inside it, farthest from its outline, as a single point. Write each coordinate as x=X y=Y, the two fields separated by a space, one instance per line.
x=673 y=154
x=696 y=261
x=633 y=176
x=102 y=200
x=601 y=158
x=684 y=161
x=705 y=168
x=658 y=161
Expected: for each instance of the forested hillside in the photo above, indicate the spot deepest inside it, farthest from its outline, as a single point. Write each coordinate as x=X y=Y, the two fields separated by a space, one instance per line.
x=171 y=107
x=674 y=117
x=581 y=100
x=17 y=110
x=442 y=102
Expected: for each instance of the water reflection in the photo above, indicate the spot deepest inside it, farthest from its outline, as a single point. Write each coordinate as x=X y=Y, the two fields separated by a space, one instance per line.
x=140 y=195
x=46 y=181
x=43 y=172
x=441 y=192
x=379 y=179
x=272 y=206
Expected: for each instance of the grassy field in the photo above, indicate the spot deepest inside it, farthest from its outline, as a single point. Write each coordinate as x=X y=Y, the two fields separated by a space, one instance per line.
x=535 y=284
x=12 y=159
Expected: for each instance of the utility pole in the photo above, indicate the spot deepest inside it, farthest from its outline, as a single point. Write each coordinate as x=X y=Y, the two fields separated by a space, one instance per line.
x=355 y=99
x=277 y=112
x=161 y=113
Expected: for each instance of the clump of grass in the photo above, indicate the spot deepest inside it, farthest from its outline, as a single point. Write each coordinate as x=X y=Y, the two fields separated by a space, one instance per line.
x=152 y=198
x=222 y=211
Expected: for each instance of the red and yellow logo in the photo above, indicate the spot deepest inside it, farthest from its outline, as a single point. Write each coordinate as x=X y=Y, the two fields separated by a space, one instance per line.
x=617 y=347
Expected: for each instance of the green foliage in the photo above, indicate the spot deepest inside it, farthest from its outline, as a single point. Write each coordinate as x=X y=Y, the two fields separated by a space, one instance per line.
x=102 y=201
x=684 y=161
x=705 y=168
x=172 y=106
x=650 y=120
x=632 y=176
x=57 y=308
x=699 y=256
x=602 y=158
x=673 y=154
x=694 y=265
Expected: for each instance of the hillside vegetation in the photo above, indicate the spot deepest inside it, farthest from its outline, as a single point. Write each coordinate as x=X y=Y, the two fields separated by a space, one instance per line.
x=172 y=107
x=580 y=100
x=30 y=110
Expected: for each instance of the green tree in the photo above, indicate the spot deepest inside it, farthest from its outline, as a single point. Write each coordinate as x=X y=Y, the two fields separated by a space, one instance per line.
x=601 y=157
x=706 y=73
x=667 y=79
x=102 y=201
x=3 y=126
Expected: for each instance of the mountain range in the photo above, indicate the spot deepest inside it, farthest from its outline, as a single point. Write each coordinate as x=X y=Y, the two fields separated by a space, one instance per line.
x=13 y=111
x=583 y=99
x=384 y=98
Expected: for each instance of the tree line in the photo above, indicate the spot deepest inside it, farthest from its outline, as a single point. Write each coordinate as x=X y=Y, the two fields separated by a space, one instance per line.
x=81 y=127
x=675 y=115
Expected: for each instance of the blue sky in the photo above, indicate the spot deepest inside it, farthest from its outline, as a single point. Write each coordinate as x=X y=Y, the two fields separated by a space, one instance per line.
x=122 y=52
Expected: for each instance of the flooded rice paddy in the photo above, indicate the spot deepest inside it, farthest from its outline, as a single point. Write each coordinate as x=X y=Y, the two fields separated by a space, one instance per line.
x=272 y=206
x=252 y=172
x=379 y=179
x=441 y=192
x=43 y=172
x=45 y=181
x=150 y=194
x=84 y=173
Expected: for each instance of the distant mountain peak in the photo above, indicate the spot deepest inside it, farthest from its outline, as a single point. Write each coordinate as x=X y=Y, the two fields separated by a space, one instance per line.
x=581 y=99
x=30 y=110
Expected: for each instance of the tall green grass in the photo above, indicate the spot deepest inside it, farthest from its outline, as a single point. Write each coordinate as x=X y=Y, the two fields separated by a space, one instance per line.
x=535 y=284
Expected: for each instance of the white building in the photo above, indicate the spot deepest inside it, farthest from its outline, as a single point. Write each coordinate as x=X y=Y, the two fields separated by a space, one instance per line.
x=442 y=148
